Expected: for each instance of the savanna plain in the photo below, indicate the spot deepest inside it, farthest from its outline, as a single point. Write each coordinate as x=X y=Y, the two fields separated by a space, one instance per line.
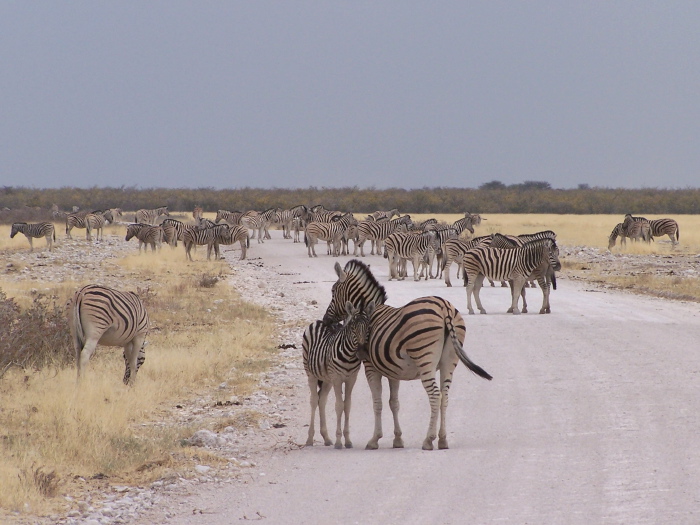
x=62 y=441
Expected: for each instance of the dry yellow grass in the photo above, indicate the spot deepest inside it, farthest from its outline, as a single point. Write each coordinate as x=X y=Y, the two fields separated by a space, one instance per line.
x=54 y=431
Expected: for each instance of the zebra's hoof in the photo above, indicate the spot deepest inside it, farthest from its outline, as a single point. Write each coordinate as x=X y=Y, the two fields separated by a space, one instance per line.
x=442 y=444
x=398 y=443
x=339 y=446
x=310 y=442
x=372 y=446
x=516 y=312
x=348 y=444
x=427 y=445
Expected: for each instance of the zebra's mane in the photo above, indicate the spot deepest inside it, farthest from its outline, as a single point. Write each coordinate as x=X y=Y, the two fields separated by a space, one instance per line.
x=359 y=270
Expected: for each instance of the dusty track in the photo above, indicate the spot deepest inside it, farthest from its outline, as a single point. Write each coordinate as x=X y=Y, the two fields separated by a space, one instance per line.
x=592 y=416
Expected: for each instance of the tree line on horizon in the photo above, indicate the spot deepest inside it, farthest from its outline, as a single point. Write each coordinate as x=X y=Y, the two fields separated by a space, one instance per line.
x=492 y=197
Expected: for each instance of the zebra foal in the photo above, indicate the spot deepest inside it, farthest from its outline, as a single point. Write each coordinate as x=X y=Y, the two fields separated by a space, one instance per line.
x=35 y=231
x=101 y=315
x=414 y=341
x=330 y=355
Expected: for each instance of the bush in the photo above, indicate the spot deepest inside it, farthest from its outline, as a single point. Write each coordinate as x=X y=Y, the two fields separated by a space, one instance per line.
x=37 y=338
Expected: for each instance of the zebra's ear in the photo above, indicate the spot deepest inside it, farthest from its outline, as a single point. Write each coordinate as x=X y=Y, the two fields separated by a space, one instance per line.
x=350 y=310
x=369 y=309
x=341 y=273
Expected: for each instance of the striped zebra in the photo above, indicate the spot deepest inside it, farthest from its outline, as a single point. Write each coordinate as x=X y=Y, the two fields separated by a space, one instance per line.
x=231 y=235
x=506 y=264
x=35 y=231
x=260 y=222
x=331 y=232
x=661 y=227
x=475 y=218
x=547 y=279
x=409 y=247
x=197 y=213
x=286 y=216
x=150 y=216
x=406 y=343
x=96 y=221
x=200 y=237
x=453 y=251
x=427 y=224
x=331 y=355
x=463 y=224
x=57 y=213
x=319 y=214
x=231 y=217
x=617 y=231
x=101 y=315
x=637 y=228
x=378 y=231
x=146 y=235
x=379 y=215
x=77 y=220
x=298 y=224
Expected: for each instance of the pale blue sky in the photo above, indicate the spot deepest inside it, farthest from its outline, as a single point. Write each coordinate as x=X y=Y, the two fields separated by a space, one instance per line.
x=293 y=94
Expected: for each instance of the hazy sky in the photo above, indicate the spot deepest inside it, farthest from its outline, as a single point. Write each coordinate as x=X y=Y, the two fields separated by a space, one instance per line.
x=292 y=94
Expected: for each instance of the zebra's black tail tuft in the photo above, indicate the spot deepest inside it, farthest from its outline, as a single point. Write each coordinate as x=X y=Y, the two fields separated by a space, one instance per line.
x=554 y=280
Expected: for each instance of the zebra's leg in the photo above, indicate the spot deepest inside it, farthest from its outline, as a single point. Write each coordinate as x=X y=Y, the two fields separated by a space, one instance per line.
x=134 y=356
x=544 y=286
x=415 y=260
x=314 y=386
x=394 y=406
x=478 y=282
x=447 y=368
x=434 y=398
x=347 y=403
x=322 y=398
x=243 y=249
x=83 y=354
x=470 y=292
x=518 y=288
x=374 y=380
x=31 y=242
x=446 y=272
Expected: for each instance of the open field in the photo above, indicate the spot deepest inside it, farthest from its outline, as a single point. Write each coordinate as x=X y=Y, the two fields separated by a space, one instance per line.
x=203 y=337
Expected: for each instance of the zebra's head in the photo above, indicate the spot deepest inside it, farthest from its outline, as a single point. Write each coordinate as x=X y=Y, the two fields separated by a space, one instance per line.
x=356 y=324
x=16 y=228
x=554 y=256
x=356 y=285
x=614 y=235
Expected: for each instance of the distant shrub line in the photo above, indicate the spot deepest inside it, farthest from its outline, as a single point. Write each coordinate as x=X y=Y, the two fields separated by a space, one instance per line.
x=487 y=199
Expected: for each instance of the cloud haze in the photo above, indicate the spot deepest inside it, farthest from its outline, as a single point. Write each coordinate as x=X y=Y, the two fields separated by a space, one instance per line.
x=368 y=94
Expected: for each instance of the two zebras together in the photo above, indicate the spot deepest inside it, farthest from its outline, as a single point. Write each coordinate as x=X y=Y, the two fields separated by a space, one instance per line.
x=416 y=341
x=636 y=228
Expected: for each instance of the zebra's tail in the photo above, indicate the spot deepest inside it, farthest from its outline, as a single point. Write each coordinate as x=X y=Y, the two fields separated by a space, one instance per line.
x=77 y=331
x=678 y=233
x=306 y=241
x=54 y=234
x=554 y=280
x=247 y=241
x=462 y=354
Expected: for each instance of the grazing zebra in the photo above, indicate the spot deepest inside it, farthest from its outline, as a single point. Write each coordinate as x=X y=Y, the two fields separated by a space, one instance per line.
x=332 y=232
x=406 y=343
x=378 y=231
x=408 y=246
x=505 y=264
x=617 y=231
x=231 y=235
x=454 y=250
x=661 y=227
x=146 y=235
x=200 y=237
x=379 y=215
x=35 y=231
x=101 y=315
x=150 y=216
x=331 y=355
x=260 y=222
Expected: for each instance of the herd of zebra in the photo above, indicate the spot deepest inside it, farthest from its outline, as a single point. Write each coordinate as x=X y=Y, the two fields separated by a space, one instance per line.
x=640 y=228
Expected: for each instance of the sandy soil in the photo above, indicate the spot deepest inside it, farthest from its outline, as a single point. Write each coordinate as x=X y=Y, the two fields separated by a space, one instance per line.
x=592 y=416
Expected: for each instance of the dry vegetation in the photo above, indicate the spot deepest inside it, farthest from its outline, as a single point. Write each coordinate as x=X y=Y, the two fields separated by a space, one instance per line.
x=56 y=438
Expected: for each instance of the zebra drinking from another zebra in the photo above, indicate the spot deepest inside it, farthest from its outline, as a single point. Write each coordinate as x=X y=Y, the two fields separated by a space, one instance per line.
x=400 y=247
x=330 y=355
x=406 y=343
x=101 y=315
x=331 y=232
x=376 y=232
x=150 y=216
x=506 y=264
x=35 y=231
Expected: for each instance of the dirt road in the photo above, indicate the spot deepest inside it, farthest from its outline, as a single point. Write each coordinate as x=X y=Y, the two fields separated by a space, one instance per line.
x=593 y=416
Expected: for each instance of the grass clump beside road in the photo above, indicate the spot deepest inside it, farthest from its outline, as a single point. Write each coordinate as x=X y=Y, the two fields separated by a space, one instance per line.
x=57 y=437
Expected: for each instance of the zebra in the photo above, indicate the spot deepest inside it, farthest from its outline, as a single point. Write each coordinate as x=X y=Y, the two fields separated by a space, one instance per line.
x=298 y=224
x=661 y=227
x=77 y=220
x=637 y=228
x=146 y=235
x=231 y=217
x=101 y=315
x=150 y=216
x=57 y=213
x=426 y=224
x=319 y=214
x=463 y=224
x=95 y=221
x=378 y=231
x=547 y=278
x=378 y=215
x=260 y=222
x=331 y=356
x=506 y=264
x=406 y=343
x=408 y=246
x=285 y=218
x=197 y=213
x=199 y=237
x=35 y=231
x=454 y=250
x=617 y=231
x=231 y=235
x=331 y=232
x=475 y=218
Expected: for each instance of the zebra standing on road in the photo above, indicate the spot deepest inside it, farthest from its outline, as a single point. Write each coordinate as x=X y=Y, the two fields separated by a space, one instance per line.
x=231 y=235
x=661 y=227
x=408 y=246
x=378 y=231
x=330 y=356
x=35 y=231
x=260 y=222
x=454 y=250
x=231 y=217
x=101 y=315
x=331 y=232
x=406 y=343
x=200 y=237
x=146 y=235
x=506 y=264
x=151 y=216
